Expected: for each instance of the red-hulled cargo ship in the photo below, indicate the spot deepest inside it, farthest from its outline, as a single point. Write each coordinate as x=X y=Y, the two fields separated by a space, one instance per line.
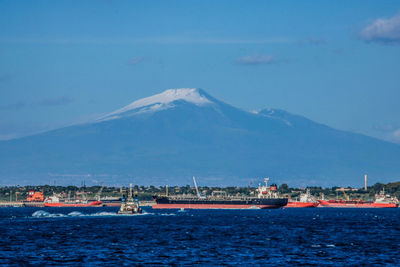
x=55 y=201
x=267 y=199
x=75 y=205
x=305 y=201
x=381 y=201
x=339 y=203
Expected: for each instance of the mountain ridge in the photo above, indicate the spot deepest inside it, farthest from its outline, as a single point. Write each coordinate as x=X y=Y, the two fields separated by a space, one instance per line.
x=216 y=142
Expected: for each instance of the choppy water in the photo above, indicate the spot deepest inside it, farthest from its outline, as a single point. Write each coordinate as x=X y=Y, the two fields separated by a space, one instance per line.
x=97 y=236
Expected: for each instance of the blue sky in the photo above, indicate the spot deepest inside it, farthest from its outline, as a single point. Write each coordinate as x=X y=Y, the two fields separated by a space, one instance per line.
x=335 y=62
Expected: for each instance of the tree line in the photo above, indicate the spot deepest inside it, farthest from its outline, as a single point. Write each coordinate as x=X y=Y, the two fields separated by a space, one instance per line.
x=146 y=192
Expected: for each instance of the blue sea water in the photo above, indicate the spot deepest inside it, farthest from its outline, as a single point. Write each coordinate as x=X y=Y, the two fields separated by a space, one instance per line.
x=97 y=236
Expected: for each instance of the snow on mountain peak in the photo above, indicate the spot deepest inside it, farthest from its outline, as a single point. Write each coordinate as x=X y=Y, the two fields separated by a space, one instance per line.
x=188 y=94
x=161 y=101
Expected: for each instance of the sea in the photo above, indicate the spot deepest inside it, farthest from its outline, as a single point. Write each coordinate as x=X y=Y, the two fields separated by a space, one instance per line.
x=288 y=237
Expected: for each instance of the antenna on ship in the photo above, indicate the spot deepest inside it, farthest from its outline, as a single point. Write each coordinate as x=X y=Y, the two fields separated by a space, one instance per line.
x=130 y=191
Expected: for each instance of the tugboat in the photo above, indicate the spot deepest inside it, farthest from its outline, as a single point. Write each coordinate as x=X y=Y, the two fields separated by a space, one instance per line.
x=34 y=199
x=130 y=205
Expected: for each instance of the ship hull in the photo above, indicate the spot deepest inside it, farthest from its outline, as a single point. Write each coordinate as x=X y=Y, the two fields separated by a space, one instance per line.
x=351 y=204
x=75 y=205
x=167 y=203
x=33 y=204
x=297 y=204
x=110 y=203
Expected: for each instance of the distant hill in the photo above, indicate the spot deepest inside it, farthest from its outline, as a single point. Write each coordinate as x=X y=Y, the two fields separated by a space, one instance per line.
x=169 y=137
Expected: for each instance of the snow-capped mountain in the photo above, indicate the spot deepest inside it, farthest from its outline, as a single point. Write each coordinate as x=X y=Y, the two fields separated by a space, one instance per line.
x=164 y=100
x=171 y=136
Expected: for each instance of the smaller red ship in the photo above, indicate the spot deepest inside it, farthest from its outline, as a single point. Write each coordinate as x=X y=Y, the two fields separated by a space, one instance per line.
x=56 y=201
x=382 y=200
x=305 y=201
x=34 y=199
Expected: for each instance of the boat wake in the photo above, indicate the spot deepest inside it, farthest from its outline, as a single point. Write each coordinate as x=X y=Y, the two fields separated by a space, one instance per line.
x=45 y=214
x=166 y=214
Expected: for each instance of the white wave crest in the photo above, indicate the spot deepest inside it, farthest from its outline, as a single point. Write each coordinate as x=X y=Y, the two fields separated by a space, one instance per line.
x=45 y=214
x=75 y=213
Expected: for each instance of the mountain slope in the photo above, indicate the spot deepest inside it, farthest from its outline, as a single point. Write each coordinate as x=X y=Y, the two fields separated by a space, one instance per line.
x=172 y=136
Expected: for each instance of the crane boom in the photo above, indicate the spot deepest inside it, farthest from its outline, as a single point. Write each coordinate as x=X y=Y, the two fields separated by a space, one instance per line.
x=195 y=185
x=98 y=195
x=345 y=195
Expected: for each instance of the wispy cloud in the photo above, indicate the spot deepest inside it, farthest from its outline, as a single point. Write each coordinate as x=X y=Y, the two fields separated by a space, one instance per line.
x=14 y=129
x=163 y=40
x=256 y=60
x=11 y=129
x=8 y=136
x=136 y=60
x=382 y=30
x=58 y=101
x=395 y=136
x=338 y=51
x=13 y=106
x=390 y=132
x=317 y=41
x=179 y=39
x=385 y=127
x=313 y=41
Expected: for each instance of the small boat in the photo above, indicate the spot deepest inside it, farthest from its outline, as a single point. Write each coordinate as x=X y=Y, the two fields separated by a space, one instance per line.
x=305 y=201
x=130 y=205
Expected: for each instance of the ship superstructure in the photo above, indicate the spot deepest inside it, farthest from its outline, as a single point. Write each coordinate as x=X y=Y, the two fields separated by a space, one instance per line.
x=305 y=201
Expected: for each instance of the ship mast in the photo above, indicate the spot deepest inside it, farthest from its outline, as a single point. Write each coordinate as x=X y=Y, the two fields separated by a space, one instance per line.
x=130 y=191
